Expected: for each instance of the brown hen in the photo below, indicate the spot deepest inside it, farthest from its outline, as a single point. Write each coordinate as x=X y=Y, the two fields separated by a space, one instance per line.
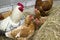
x=43 y=6
x=24 y=31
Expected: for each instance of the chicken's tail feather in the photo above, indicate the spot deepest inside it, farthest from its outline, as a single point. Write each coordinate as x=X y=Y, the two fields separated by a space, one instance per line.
x=2 y=33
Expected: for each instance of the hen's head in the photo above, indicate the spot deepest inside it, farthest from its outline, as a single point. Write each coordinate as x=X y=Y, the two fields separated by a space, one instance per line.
x=29 y=18
x=21 y=8
x=37 y=21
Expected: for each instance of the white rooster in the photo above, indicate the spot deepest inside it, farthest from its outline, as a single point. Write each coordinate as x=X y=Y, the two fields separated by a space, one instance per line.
x=13 y=20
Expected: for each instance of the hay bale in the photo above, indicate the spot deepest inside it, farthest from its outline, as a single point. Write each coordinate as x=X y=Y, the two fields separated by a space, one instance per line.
x=50 y=30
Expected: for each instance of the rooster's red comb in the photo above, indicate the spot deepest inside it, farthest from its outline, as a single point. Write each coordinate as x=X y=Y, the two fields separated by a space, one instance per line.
x=20 y=4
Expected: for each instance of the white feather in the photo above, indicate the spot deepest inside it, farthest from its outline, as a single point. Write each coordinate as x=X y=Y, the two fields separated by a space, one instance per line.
x=12 y=20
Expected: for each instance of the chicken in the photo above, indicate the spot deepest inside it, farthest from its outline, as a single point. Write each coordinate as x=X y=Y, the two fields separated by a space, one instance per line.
x=37 y=17
x=37 y=14
x=13 y=19
x=43 y=6
x=24 y=31
x=38 y=20
x=6 y=14
x=1 y=17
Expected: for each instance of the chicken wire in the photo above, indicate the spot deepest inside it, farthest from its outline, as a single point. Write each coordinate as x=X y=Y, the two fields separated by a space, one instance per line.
x=9 y=4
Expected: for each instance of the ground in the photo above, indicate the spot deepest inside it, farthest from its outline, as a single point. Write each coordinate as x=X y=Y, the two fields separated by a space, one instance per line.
x=50 y=30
